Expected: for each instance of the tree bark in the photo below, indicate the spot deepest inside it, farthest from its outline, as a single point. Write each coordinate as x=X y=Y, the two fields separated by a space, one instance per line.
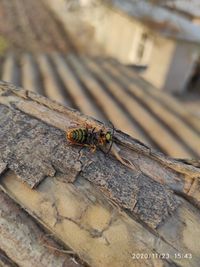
x=110 y=209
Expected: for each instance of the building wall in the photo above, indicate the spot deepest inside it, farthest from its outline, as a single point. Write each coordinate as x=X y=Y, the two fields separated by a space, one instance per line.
x=161 y=57
x=169 y=62
x=181 y=67
x=116 y=32
x=120 y=36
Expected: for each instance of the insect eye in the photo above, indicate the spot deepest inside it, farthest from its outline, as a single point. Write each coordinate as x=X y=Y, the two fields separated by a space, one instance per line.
x=108 y=136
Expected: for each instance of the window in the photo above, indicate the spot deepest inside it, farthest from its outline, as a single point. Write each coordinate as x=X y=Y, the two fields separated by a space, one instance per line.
x=141 y=47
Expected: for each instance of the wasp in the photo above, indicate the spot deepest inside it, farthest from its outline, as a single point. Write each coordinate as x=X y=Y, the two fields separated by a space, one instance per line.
x=90 y=137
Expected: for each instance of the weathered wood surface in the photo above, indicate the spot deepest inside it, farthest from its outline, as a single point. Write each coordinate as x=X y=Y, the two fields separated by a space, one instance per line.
x=5 y=261
x=24 y=242
x=105 y=207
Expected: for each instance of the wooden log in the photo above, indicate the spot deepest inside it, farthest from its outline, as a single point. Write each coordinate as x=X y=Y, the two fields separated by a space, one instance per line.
x=5 y=261
x=24 y=242
x=133 y=207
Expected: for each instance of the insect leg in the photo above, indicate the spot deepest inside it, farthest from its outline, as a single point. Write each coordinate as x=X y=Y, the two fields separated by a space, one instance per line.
x=93 y=129
x=93 y=148
x=70 y=143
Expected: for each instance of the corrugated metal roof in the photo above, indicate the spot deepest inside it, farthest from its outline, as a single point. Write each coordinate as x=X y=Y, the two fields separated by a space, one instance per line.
x=160 y=19
x=191 y=7
x=32 y=26
x=109 y=91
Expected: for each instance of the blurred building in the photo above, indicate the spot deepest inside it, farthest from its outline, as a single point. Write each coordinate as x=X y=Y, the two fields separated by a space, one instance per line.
x=163 y=43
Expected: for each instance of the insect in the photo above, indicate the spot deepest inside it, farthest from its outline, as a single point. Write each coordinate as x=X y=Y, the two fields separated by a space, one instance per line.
x=91 y=138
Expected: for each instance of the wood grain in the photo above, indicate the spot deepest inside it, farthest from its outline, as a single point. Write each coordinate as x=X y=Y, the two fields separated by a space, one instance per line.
x=106 y=208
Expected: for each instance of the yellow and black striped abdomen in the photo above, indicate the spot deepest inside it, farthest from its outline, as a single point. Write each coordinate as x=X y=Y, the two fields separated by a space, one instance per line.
x=78 y=135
